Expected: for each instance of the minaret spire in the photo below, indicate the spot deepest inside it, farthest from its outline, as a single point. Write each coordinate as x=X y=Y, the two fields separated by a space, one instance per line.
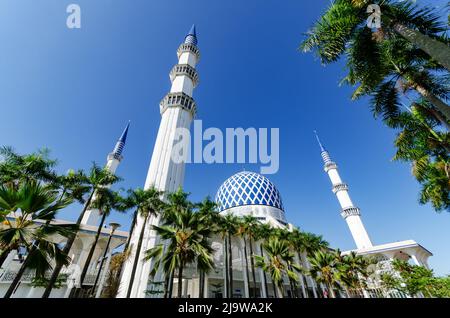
x=322 y=149
x=92 y=216
x=118 y=149
x=323 y=152
x=349 y=212
x=191 y=37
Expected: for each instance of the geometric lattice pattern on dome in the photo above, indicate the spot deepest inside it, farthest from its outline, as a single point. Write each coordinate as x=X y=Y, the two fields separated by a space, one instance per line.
x=248 y=188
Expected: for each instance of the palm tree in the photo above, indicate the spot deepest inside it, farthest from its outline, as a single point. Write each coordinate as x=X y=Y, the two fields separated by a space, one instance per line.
x=98 y=178
x=350 y=269
x=278 y=263
x=385 y=69
x=421 y=143
x=105 y=201
x=312 y=244
x=147 y=203
x=187 y=238
x=297 y=241
x=251 y=224
x=241 y=230
x=228 y=226
x=36 y=204
x=71 y=185
x=420 y=26
x=207 y=210
x=16 y=169
x=38 y=167
x=342 y=30
x=262 y=233
x=324 y=269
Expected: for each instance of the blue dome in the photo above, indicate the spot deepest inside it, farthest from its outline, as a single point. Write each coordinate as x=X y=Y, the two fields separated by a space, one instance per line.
x=248 y=188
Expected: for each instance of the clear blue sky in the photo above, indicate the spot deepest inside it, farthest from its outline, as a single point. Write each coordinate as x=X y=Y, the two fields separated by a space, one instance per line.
x=73 y=91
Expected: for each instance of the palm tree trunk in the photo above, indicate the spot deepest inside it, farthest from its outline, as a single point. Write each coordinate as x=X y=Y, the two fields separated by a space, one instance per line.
x=101 y=266
x=331 y=290
x=133 y=224
x=280 y=290
x=166 y=286
x=136 y=256
x=92 y=250
x=347 y=291
x=66 y=250
x=437 y=50
x=274 y=290
x=201 y=284
x=226 y=270
x=246 y=267
x=441 y=119
x=252 y=263
x=266 y=287
x=303 y=280
x=171 y=284
x=230 y=265
x=19 y=274
x=433 y=99
x=292 y=285
x=180 y=280
x=125 y=249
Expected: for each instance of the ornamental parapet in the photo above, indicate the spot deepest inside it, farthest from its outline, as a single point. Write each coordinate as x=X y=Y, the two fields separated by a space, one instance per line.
x=345 y=213
x=178 y=100
x=188 y=48
x=330 y=165
x=339 y=187
x=184 y=69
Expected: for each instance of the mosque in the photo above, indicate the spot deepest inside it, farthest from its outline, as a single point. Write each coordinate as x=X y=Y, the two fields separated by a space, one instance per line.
x=244 y=193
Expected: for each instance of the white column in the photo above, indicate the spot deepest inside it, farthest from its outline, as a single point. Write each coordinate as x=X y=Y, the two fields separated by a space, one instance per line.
x=206 y=287
x=185 y=283
x=415 y=260
x=350 y=213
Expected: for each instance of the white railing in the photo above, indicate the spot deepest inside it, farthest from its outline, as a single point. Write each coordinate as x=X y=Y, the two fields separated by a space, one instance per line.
x=7 y=276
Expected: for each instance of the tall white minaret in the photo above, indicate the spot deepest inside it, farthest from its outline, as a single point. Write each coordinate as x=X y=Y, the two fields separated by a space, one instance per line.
x=349 y=212
x=92 y=216
x=177 y=111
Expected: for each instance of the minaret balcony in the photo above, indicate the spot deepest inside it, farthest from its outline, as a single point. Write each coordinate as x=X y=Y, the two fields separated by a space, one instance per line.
x=339 y=187
x=184 y=69
x=114 y=155
x=330 y=165
x=178 y=100
x=188 y=48
x=345 y=213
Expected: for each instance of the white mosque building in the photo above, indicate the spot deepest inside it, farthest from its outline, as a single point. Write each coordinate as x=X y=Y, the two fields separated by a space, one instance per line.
x=245 y=193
